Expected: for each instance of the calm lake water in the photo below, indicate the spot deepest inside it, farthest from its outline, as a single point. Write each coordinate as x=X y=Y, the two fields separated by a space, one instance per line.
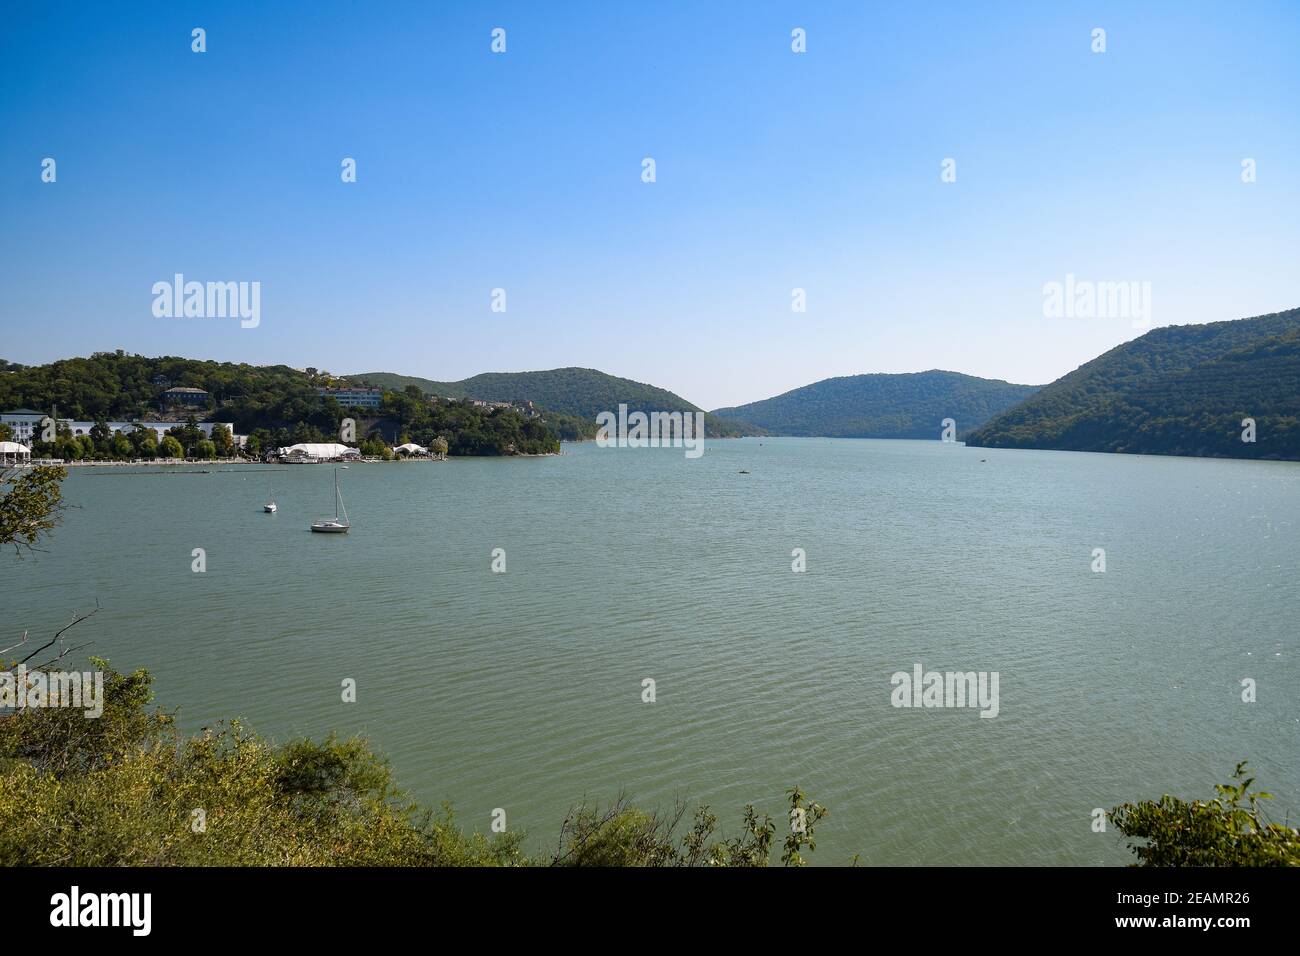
x=523 y=690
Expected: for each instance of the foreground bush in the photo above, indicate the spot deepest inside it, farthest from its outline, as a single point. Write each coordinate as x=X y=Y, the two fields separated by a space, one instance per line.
x=128 y=789
x=1219 y=832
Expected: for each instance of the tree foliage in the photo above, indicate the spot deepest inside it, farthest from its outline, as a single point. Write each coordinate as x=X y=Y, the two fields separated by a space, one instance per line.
x=127 y=788
x=624 y=835
x=569 y=399
x=1229 y=830
x=467 y=428
x=1178 y=390
x=31 y=501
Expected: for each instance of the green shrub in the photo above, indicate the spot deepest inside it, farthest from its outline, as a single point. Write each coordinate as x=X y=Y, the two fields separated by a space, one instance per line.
x=1224 y=831
x=128 y=789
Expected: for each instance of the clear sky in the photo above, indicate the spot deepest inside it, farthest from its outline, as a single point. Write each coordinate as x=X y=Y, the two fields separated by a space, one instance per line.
x=522 y=171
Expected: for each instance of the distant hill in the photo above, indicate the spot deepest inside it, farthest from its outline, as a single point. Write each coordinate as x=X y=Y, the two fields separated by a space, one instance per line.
x=396 y=383
x=911 y=405
x=1178 y=390
x=580 y=392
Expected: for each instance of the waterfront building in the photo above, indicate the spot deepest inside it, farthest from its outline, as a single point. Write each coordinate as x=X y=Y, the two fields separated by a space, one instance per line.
x=305 y=452
x=26 y=426
x=12 y=453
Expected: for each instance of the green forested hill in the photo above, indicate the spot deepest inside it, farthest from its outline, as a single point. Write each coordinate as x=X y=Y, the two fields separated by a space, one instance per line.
x=397 y=383
x=882 y=406
x=1178 y=390
x=275 y=405
x=111 y=385
x=580 y=392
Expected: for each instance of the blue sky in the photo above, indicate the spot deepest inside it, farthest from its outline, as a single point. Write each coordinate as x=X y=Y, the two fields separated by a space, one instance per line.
x=522 y=171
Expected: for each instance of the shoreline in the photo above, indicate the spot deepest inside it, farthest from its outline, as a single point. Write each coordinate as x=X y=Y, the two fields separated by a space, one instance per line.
x=174 y=462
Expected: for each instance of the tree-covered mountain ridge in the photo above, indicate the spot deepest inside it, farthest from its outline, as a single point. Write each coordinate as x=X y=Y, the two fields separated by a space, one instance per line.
x=579 y=392
x=883 y=405
x=1177 y=390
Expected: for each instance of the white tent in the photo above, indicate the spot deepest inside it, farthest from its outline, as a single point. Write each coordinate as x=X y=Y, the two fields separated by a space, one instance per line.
x=411 y=448
x=317 y=450
x=12 y=453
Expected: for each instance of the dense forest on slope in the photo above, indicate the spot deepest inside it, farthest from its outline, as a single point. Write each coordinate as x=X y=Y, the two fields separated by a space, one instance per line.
x=1178 y=390
x=582 y=393
x=910 y=405
x=275 y=405
x=117 y=386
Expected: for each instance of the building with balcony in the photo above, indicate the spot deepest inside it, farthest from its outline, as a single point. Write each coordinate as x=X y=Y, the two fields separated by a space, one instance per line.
x=355 y=396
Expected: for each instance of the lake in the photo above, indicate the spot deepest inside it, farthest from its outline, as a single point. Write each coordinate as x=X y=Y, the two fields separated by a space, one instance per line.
x=523 y=690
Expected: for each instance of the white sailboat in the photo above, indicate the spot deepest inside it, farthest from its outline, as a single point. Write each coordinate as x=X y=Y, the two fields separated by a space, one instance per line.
x=269 y=507
x=337 y=524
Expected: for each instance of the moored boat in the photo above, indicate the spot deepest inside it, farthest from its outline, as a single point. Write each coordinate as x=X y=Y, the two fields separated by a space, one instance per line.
x=337 y=524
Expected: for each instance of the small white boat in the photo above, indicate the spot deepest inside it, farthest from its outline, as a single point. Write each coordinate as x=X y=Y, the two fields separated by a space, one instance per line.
x=269 y=507
x=335 y=525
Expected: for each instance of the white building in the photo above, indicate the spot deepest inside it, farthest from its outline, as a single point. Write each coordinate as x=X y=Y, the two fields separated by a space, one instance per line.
x=24 y=422
x=26 y=425
x=159 y=428
x=12 y=453
x=316 y=451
